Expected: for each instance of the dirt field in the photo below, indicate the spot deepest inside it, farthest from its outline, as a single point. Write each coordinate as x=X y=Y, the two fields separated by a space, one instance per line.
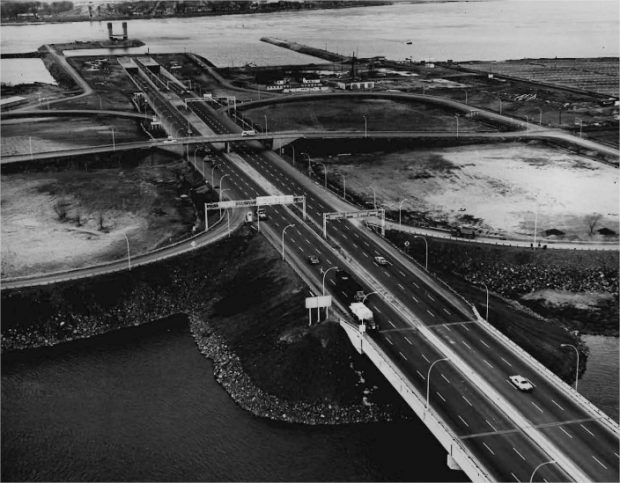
x=496 y=188
x=69 y=219
x=53 y=133
x=348 y=114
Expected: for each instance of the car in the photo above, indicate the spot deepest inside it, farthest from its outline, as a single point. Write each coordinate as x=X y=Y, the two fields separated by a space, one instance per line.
x=521 y=383
x=313 y=260
x=381 y=261
x=342 y=276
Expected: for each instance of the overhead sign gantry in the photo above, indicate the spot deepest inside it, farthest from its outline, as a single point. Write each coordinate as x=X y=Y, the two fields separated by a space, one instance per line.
x=337 y=215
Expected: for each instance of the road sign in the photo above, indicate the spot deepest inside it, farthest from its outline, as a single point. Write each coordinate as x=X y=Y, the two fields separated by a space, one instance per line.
x=274 y=200
x=318 y=302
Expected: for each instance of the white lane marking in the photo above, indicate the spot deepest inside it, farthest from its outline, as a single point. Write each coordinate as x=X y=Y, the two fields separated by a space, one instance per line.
x=410 y=343
x=506 y=361
x=487 y=363
x=419 y=374
x=402 y=355
x=386 y=272
x=617 y=455
x=492 y=427
x=490 y=450
x=534 y=404
x=430 y=297
x=317 y=250
x=446 y=311
x=437 y=392
x=402 y=273
x=415 y=285
x=596 y=459
x=465 y=327
x=557 y=405
x=401 y=287
x=276 y=223
x=415 y=299
x=588 y=431
x=485 y=344
x=366 y=243
x=344 y=236
x=447 y=328
x=346 y=227
x=375 y=307
x=513 y=475
x=356 y=235
x=300 y=249
x=389 y=340
x=307 y=241
x=332 y=282
x=515 y=450
x=431 y=314
x=391 y=323
x=355 y=245
x=468 y=346
x=466 y=400
x=424 y=357
x=366 y=255
x=445 y=378
x=464 y=422
x=566 y=432
x=298 y=232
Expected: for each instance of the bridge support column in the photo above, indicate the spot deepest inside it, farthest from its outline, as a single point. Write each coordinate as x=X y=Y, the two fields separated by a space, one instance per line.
x=227 y=147
x=452 y=464
x=356 y=336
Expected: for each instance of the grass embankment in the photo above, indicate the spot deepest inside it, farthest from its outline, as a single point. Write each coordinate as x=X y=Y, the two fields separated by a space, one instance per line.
x=518 y=306
x=242 y=294
x=76 y=215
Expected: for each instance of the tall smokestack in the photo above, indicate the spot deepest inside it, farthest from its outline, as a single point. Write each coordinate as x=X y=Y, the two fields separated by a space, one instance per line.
x=124 y=30
x=110 y=30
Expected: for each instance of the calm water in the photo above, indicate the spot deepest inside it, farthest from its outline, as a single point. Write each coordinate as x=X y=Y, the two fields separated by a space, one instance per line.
x=488 y=30
x=25 y=71
x=145 y=407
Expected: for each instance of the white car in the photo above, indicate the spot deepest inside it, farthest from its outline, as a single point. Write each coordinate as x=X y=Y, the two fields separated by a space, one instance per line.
x=381 y=261
x=521 y=383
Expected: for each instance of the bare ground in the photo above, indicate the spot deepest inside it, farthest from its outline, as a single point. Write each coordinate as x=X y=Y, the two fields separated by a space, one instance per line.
x=61 y=220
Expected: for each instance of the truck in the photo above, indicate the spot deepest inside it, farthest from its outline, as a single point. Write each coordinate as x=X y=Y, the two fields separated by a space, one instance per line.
x=249 y=217
x=363 y=315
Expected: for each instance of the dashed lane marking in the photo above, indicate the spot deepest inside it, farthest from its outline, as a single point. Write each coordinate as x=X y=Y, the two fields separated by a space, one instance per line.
x=389 y=340
x=446 y=311
x=420 y=374
x=487 y=363
x=402 y=274
x=490 y=450
x=587 y=430
x=441 y=397
x=415 y=285
x=332 y=282
x=410 y=343
x=536 y=406
x=506 y=361
x=430 y=296
x=424 y=357
x=598 y=461
x=557 y=405
x=464 y=422
x=485 y=344
x=492 y=427
x=467 y=400
x=467 y=345
x=401 y=287
x=522 y=457
x=445 y=378
x=387 y=273
x=513 y=475
x=431 y=314
x=366 y=255
x=566 y=432
x=402 y=355
x=415 y=299
x=391 y=323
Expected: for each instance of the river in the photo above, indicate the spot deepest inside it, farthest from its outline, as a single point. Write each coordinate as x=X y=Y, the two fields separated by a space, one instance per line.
x=142 y=405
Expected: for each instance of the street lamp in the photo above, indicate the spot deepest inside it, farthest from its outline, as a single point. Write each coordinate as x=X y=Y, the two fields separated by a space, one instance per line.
x=374 y=198
x=428 y=378
x=344 y=187
x=128 y=254
x=265 y=116
x=221 y=179
x=487 y=289
x=400 y=208
x=577 y=368
x=539 y=116
x=113 y=141
x=527 y=121
x=456 y=116
x=324 y=173
x=465 y=96
x=213 y=174
x=325 y=273
x=365 y=126
x=535 y=469
x=287 y=226
x=367 y=295
x=426 y=244
x=309 y=160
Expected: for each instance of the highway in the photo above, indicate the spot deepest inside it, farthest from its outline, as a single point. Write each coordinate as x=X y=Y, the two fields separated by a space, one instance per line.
x=549 y=413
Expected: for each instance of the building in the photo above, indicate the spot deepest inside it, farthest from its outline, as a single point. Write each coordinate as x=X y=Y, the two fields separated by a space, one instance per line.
x=356 y=85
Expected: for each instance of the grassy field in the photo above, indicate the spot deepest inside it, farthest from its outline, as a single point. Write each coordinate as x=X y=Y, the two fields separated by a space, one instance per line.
x=348 y=114
x=72 y=218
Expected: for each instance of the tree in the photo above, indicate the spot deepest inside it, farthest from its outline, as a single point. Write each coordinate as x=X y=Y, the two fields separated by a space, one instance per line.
x=592 y=220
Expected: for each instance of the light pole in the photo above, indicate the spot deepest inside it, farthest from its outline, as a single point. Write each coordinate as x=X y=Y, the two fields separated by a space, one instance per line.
x=487 y=289
x=539 y=116
x=400 y=211
x=324 y=173
x=580 y=128
x=265 y=116
x=577 y=368
x=374 y=198
x=527 y=121
x=466 y=96
x=293 y=148
x=228 y=221
x=325 y=273
x=535 y=224
x=213 y=174
x=309 y=161
x=536 y=469
x=344 y=187
x=221 y=179
x=365 y=126
x=287 y=226
x=456 y=116
x=428 y=378
x=500 y=104
x=367 y=295
x=426 y=244
x=128 y=254
x=113 y=141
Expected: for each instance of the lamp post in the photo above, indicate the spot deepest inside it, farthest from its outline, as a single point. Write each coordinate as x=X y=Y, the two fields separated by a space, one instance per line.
x=283 y=230
x=487 y=289
x=535 y=224
x=500 y=104
x=128 y=254
x=325 y=273
x=465 y=96
x=265 y=116
x=580 y=128
x=527 y=121
x=400 y=211
x=374 y=198
x=113 y=141
x=428 y=378
x=344 y=187
x=221 y=179
x=228 y=221
x=213 y=174
x=367 y=295
x=456 y=116
x=539 y=116
x=309 y=161
x=577 y=368
x=536 y=469
x=324 y=173
x=293 y=148
x=365 y=126
x=426 y=244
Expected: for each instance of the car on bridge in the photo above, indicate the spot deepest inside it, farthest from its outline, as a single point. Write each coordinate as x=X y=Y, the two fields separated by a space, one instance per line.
x=521 y=383
x=381 y=261
x=313 y=260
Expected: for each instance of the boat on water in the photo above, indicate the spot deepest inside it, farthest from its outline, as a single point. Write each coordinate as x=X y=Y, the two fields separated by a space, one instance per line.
x=409 y=42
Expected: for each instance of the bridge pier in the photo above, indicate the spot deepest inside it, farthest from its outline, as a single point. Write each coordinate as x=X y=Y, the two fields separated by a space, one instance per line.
x=452 y=464
x=227 y=147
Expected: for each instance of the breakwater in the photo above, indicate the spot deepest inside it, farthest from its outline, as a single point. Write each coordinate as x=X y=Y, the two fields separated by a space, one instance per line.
x=306 y=49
